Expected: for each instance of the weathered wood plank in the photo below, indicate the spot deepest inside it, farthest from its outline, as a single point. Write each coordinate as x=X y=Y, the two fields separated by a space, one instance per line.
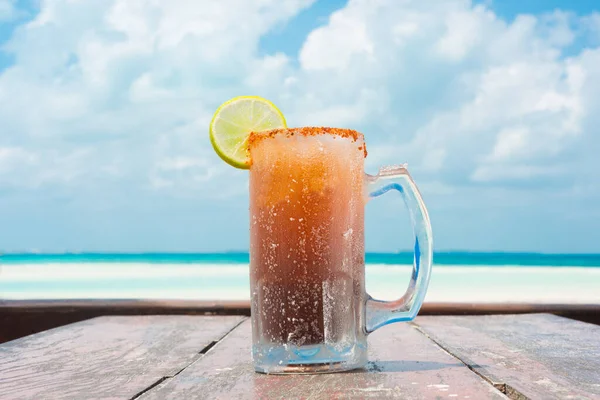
x=538 y=356
x=24 y=317
x=20 y=318
x=107 y=357
x=405 y=365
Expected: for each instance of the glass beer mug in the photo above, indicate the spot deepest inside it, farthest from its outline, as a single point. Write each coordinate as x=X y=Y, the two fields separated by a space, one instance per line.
x=310 y=310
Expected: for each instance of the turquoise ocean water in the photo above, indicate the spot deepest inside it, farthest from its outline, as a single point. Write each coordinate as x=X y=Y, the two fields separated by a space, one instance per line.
x=441 y=258
x=457 y=276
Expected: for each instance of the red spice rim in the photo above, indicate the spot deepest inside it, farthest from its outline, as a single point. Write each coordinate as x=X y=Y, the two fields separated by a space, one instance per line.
x=256 y=137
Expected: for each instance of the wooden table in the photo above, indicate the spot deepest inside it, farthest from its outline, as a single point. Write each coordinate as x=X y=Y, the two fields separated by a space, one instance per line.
x=537 y=356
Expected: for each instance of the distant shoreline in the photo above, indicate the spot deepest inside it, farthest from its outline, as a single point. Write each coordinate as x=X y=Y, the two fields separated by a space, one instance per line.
x=399 y=258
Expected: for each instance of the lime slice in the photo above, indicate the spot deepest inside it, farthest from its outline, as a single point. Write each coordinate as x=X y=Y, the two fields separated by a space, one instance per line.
x=234 y=120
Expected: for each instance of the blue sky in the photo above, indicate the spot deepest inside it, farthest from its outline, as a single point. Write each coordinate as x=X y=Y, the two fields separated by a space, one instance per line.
x=104 y=108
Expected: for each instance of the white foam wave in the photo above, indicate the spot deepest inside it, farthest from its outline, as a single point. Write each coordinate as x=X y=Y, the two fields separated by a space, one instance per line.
x=456 y=283
x=79 y=271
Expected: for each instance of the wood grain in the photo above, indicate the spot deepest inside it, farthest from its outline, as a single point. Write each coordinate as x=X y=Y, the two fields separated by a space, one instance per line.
x=224 y=306
x=537 y=356
x=24 y=317
x=107 y=357
x=405 y=364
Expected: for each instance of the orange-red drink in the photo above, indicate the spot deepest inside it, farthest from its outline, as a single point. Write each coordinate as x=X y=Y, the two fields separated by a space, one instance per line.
x=306 y=239
x=310 y=311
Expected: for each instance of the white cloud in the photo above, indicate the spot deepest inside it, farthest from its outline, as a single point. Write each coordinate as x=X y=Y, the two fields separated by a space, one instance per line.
x=509 y=142
x=117 y=95
x=8 y=10
x=592 y=24
x=448 y=86
x=464 y=94
x=20 y=167
x=459 y=40
x=134 y=83
x=12 y=157
x=349 y=32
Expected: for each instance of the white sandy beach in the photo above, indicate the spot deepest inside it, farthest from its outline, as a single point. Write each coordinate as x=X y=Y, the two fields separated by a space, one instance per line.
x=450 y=283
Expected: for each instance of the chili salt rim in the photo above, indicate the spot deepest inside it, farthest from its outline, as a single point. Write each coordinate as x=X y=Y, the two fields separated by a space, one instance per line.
x=256 y=137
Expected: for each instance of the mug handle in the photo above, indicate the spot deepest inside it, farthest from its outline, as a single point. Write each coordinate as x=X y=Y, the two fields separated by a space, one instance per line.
x=380 y=313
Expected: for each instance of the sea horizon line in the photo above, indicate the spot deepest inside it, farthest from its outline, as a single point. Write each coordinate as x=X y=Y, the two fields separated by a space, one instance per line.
x=243 y=257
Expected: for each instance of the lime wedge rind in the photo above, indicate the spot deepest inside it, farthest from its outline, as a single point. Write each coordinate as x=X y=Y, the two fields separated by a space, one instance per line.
x=234 y=120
